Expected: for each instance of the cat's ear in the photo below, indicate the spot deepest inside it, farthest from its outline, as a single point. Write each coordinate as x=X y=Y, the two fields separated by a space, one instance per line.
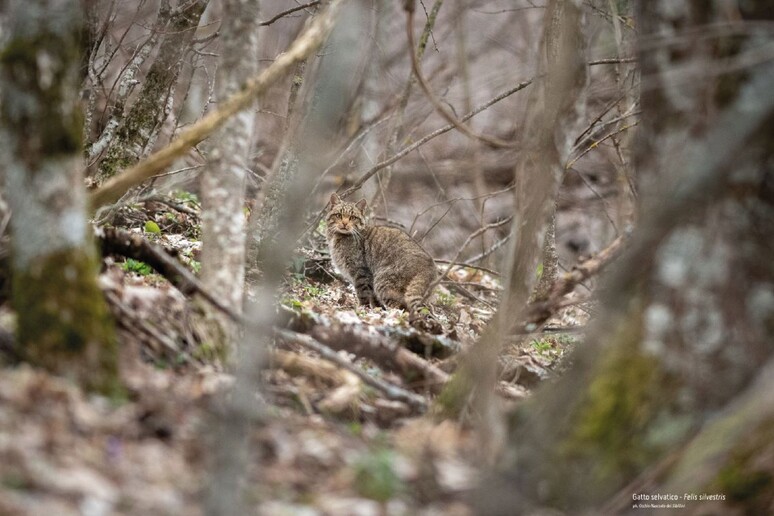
x=334 y=199
x=361 y=205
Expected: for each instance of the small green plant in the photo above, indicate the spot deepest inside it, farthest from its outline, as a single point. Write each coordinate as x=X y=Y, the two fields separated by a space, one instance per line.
x=375 y=476
x=182 y=195
x=313 y=291
x=196 y=266
x=542 y=346
x=446 y=299
x=292 y=303
x=152 y=227
x=136 y=266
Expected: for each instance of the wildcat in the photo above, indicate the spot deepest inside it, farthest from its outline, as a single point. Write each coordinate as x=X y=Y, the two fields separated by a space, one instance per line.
x=386 y=266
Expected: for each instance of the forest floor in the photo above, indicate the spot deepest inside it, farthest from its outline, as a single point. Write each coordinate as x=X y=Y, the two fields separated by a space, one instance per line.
x=327 y=443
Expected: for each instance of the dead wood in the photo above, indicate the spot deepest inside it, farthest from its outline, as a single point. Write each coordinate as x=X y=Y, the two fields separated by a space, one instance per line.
x=539 y=311
x=390 y=390
x=346 y=384
x=383 y=346
x=130 y=245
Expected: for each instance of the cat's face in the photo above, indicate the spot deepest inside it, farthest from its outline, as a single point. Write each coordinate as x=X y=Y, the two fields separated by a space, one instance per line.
x=346 y=218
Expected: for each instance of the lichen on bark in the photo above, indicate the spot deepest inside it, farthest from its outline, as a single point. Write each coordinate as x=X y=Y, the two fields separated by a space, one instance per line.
x=37 y=80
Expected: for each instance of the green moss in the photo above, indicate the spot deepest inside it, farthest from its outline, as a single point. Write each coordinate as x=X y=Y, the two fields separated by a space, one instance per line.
x=613 y=421
x=741 y=485
x=454 y=397
x=212 y=352
x=375 y=476
x=147 y=113
x=63 y=321
x=742 y=479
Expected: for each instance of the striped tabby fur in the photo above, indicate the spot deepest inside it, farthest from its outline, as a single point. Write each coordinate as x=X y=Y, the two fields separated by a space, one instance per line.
x=384 y=264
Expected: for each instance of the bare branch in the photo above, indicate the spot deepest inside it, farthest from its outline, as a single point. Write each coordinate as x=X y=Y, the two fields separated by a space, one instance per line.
x=439 y=107
x=288 y=11
x=445 y=129
x=302 y=47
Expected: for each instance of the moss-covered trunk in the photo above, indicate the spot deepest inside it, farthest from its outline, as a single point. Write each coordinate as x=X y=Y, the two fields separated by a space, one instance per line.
x=63 y=321
x=139 y=127
x=656 y=401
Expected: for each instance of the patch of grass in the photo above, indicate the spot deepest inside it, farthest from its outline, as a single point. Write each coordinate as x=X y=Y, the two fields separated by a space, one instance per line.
x=206 y=351
x=542 y=346
x=313 y=291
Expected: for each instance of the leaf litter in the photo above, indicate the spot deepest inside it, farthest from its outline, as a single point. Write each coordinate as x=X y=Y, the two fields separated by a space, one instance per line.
x=329 y=443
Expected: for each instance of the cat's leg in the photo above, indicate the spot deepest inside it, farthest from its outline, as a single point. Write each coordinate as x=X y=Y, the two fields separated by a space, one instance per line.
x=364 y=286
x=420 y=315
x=387 y=292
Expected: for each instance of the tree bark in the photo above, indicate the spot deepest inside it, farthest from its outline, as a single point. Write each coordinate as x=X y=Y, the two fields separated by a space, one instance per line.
x=223 y=180
x=138 y=129
x=237 y=412
x=554 y=104
x=63 y=321
x=688 y=314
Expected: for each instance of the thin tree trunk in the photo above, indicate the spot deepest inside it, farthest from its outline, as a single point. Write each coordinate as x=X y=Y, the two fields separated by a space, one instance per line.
x=554 y=104
x=237 y=413
x=223 y=180
x=63 y=321
x=264 y=221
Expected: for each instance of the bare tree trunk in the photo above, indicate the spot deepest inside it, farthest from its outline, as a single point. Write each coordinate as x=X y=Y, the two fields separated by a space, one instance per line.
x=236 y=414
x=63 y=321
x=656 y=395
x=223 y=180
x=554 y=104
x=264 y=221
x=139 y=128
